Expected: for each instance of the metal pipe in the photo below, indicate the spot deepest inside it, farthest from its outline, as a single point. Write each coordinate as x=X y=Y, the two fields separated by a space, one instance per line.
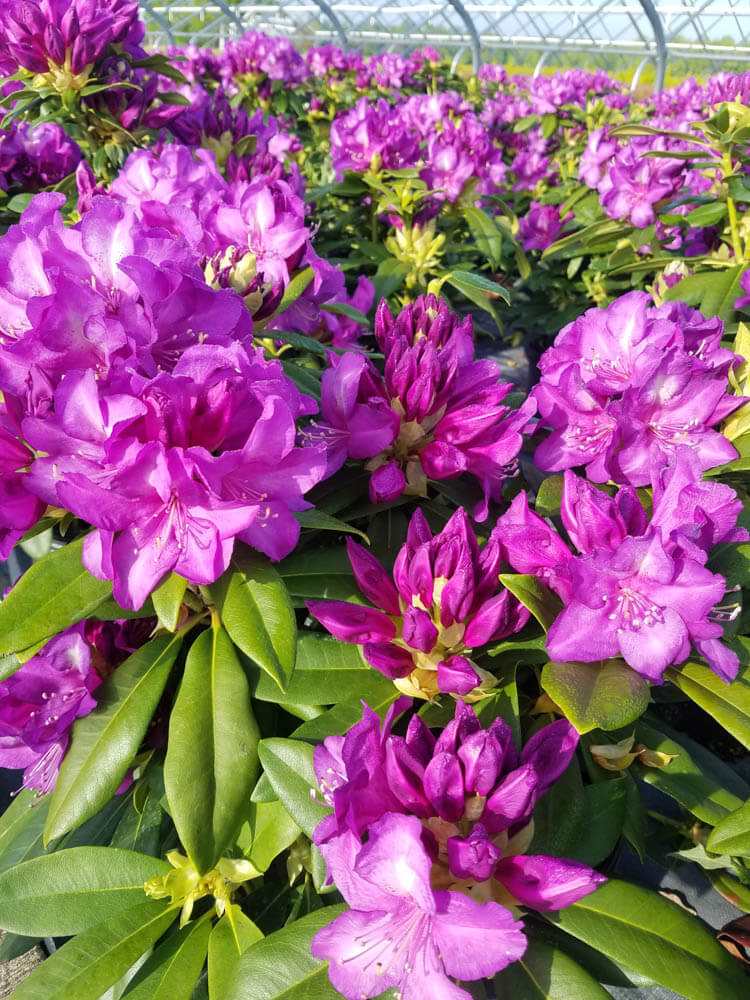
x=661 y=43
x=161 y=21
x=473 y=34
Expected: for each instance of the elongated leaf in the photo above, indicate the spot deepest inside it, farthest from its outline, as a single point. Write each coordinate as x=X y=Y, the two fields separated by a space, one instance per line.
x=256 y=611
x=289 y=766
x=212 y=758
x=327 y=671
x=645 y=932
x=295 y=288
x=271 y=830
x=21 y=828
x=68 y=891
x=549 y=496
x=280 y=967
x=321 y=521
x=230 y=938
x=483 y=284
x=344 y=309
x=171 y=972
x=605 y=805
x=306 y=380
x=546 y=973
x=729 y=704
x=93 y=961
x=53 y=593
x=732 y=835
x=105 y=741
x=688 y=780
x=541 y=602
x=604 y=695
x=167 y=600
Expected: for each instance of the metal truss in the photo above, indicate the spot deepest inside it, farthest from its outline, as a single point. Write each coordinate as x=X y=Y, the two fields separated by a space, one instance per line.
x=716 y=32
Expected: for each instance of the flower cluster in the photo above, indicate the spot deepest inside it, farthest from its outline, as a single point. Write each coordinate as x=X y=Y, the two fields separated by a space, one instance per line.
x=448 y=822
x=435 y=414
x=150 y=418
x=42 y=700
x=639 y=587
x=623 y=387
x=442 y=603
x=35 y=158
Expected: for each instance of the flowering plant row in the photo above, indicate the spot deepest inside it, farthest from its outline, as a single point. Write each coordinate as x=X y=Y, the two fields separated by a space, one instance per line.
x=340 y=665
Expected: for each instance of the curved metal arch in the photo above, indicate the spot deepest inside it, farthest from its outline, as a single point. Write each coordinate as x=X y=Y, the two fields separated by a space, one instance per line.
x=472 y=32
x=161 y=21
x=229 y=11
x=661 y=42
x=334 y=19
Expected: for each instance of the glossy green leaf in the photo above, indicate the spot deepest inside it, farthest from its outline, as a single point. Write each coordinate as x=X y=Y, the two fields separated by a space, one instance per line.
x=605 y=805
x=732 y=835
x=172 y=970
x=289 y=766
x=53 y=594
x=295 y=288
x=479 y=281
x=344 y=309
x=230 y=938
x=256 y=611
x=688 y=778
x=212 y=759
x=532 y=593
x=14 y=945
x=486 y=233
x=271 y=831
x=167 y=600
x=549 y=496
x=96 y=959
x=68 y=891
x=476 y=295
x=729 y=704
x=21 y=828
x=647 y=933
x=546 y=973
x=604 y=695
x=306 y=379
x=105 y=741
x=561 y=815
x=320 y=521
x=327 y=671
x=280 y=967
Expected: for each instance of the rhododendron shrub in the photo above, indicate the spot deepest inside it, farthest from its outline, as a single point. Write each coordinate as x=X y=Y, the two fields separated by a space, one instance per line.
x=339 y=650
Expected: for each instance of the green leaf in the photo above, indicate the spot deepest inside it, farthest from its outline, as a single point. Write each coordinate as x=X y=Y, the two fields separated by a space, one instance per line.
x=320 y=521
x=729 y=704
x=732 y=835
x=294 y=289
x=547 y=973
x=53 y=594
x=289 y=766
x=167 y=600
x=389 y=277
x=89 y=964
x=14 y=945
x=606 y=803
x=714 y=292
x=604 y=695
x=549 y=496
x=532 y=593
x=561 y=815
x=689 y=781
x=257 y=613
x=19 y=202
x=475 y=293
x=344 y=309
x=280 y=967
x=172 y=970
x=212 y=760
x=650 y=935
x=69 y=891
x=327 y=671
x=707 y=215
x=271 y=830
x=487 y=235
x=21 y=828
x=105 y=741
x=232 y=936
x=304 y=378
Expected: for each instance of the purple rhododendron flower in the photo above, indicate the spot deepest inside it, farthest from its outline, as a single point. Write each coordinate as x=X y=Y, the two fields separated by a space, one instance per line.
x=455 y=809
x=623 y=387
x=40 y=702
x=401 y=933
x=639 y=587
x=435 y=414
x=442 y=603
x=68 y=34
x=35 y=157
x=541 y=227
